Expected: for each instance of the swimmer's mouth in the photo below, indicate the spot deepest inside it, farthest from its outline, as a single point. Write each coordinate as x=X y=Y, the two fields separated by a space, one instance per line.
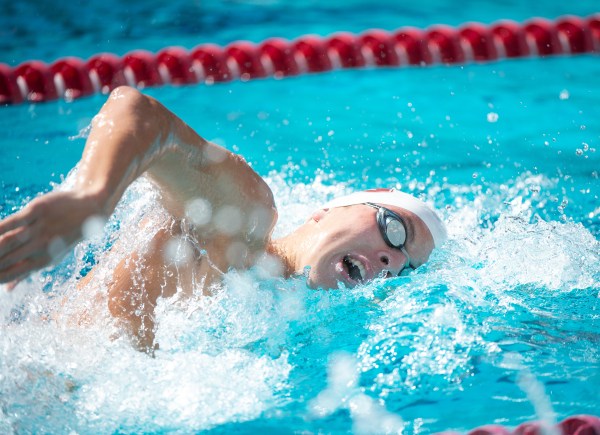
x=355 y=269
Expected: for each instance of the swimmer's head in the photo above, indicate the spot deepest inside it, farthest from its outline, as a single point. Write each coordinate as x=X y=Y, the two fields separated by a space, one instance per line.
x=369 y=234
x=403 y=200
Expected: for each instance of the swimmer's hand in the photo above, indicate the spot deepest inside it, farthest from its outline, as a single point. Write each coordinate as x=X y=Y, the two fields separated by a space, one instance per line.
x=43 y=232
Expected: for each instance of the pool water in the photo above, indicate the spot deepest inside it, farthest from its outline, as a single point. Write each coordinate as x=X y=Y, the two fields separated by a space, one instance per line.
x=501 y=326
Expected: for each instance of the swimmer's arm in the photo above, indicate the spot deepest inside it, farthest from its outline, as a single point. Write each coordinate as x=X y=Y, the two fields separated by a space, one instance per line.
x=135 y=134
x=131 y=135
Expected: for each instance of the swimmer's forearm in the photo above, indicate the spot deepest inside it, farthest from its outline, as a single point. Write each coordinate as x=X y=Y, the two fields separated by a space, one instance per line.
x=131 y=133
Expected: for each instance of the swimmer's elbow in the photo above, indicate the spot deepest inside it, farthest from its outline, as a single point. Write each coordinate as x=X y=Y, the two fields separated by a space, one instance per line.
x=126 y=93
x=130 y=101
x=137 y=114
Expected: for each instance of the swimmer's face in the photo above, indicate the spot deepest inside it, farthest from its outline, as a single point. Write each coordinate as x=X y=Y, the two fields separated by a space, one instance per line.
x=350 y=247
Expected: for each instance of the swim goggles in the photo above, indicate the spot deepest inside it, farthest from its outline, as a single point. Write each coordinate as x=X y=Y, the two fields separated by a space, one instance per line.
x=393 y=230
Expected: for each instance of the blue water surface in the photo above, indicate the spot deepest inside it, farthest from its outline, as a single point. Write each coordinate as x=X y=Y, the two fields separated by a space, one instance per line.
x=501 y=326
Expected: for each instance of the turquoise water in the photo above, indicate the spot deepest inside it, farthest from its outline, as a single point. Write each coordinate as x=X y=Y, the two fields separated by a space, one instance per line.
x=501 y=326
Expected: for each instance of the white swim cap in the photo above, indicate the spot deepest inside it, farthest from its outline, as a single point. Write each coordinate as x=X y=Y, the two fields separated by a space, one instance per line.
x=398 y=199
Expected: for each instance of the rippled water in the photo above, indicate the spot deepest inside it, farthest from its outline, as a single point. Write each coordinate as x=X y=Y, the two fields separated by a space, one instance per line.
x=498 y=314
x=501 y=326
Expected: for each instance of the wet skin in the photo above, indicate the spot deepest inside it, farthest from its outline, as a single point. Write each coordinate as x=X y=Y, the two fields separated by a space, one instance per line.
x=334 y=238
x=135 y=135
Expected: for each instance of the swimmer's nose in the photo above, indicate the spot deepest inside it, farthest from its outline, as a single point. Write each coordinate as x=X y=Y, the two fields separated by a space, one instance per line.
x=393 y=261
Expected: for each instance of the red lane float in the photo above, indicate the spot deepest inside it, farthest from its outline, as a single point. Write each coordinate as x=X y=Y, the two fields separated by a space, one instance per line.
x=574 y=425
x=71 y=78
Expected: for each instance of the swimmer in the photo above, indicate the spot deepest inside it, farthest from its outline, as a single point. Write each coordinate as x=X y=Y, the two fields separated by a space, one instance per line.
x=351 y=240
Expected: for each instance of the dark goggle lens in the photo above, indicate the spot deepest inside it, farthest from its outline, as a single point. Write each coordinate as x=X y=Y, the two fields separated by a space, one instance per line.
x=395 y=231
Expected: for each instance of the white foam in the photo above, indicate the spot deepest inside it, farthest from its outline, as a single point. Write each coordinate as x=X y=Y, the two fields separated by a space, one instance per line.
x=228 y=358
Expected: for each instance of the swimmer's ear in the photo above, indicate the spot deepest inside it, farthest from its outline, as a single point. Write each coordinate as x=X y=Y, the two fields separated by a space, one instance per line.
x=318 y=214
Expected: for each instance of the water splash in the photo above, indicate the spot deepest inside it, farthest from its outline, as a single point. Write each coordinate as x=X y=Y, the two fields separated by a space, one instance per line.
x=511 y=281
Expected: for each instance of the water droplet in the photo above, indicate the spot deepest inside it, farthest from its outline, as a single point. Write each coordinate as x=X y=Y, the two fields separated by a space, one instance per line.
x=198 y=211
x=93 y=227
x=228 y=220
x=269 y=266
x=178 y=251
x=492 y=117
x=564 y=95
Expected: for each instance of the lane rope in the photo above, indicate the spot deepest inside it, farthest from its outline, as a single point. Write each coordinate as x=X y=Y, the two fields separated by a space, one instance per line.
x=574 y=425
x=72 y=78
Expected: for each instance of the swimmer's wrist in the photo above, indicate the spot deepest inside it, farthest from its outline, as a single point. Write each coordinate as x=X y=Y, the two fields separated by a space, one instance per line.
x=96 y=200
x=99 y=192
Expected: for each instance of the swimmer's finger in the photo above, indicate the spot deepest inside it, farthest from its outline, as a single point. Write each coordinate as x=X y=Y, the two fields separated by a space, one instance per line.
x=28 y=250
x=14 y=239
x=19 y=219
x=20 y=270
x=12 y=284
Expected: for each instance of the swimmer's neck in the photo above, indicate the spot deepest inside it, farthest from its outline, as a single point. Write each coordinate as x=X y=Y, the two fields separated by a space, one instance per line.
x=290 y=249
